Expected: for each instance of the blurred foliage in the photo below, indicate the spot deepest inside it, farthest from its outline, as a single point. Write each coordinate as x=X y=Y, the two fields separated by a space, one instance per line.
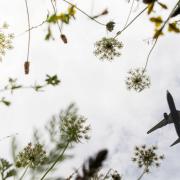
x=13 y=85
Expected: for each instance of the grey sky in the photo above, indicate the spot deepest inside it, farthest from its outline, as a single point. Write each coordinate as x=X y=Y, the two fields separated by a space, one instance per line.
x=119 y=118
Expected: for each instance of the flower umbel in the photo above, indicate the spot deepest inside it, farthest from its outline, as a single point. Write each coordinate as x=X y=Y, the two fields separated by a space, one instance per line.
x=146 y=157
x=31 y=156
x=73 y=128
x=137 y=80
x=108 y=48
x=5 y=40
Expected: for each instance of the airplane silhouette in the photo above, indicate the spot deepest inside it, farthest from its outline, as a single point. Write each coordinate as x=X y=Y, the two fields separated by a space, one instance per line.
x=173 y=117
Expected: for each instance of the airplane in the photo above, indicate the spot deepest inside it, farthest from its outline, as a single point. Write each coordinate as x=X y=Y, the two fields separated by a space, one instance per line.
x=173 y=117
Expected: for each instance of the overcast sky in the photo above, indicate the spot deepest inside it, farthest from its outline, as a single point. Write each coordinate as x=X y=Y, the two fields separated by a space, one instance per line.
x=119 y=118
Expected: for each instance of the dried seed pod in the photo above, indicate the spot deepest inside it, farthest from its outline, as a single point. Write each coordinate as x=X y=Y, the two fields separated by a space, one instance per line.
x=64 y=38
x=26 y=67
x=104 y=12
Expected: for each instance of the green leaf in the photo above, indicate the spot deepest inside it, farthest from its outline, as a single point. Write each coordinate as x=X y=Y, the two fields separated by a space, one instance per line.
x=162 y=5
x=150 y=8
x=158 y=32
x=64 y=18
x=172 y=27
x=52 y=80
x=5 y=102
x=157 y=20
x=52 y=19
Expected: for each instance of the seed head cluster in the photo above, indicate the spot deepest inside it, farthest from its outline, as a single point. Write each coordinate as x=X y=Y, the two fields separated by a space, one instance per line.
x=5 y=40
x=137 y=80
x=107 y=48
x=146 y=157
x=73 y=126
x=31 y=156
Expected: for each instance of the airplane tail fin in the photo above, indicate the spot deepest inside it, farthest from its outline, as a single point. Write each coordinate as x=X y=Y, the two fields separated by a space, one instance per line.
x=177 y=141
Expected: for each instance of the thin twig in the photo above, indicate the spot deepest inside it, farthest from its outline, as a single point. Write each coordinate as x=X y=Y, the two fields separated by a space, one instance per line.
x=55 y=11
x=33 y=27
x=129 y=14
x=119 y=32
x=24 y=172
x=157 y=38
x=143 y=173
x=52 y=166
x=107 y=174
x=84 y=13
x=29 y=33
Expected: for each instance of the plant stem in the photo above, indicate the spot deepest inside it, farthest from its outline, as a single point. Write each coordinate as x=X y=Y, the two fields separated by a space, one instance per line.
x=130 y=11
x=29 y=33
x=119 y=32
x=32 y=27
x=24 y=172
x=59 y=157
x=84 y=13
x=143 y=173
x=160 y=30
x=107 y=174
x=55 y=11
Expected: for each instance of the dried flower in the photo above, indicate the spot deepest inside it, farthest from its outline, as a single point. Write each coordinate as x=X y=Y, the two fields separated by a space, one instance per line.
x=146 y=157
x=110 y=26
x=108 y=48
x=105 y=12
x=5 y=40
x=137 y=80
x=64 y=38
x=73 y=128
x=31 y=156
x=26 y=67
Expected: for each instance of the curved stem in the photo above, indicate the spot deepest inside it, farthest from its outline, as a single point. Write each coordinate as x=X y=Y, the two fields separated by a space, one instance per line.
x=55 y=11
x=29 y=33
x=84 y=13
x=119 y=32
x=31 y=28
x=157 y=38
x=24 y=172
x=52 y=166
x=130 y=11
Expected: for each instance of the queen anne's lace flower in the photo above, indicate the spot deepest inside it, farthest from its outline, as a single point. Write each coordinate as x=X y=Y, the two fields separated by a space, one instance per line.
x=73 y=126
x=31 y=156
x=108 y=48
x=5 y=40
x=137 y=80
x=146 y=157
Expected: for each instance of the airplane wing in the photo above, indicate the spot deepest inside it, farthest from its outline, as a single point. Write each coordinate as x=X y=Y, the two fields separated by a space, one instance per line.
x=167 y=119
x=177 y=141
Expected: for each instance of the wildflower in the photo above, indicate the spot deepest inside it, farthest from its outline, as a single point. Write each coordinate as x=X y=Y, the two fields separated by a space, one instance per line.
x=110 y=26
x=31 y=156
x=73 y=128
x=5 y=40
x=137 y=80
x=108 y=48
x=146 y=157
